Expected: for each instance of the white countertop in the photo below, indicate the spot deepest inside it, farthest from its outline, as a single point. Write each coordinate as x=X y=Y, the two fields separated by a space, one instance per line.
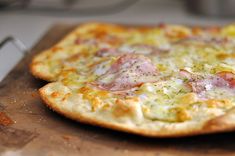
x=29 y=27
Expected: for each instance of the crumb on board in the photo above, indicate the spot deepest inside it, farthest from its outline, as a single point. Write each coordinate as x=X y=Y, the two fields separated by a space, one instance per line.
x=5 y=120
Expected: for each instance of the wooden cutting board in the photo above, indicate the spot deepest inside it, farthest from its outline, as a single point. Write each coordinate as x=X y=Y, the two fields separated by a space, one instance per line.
x=29 y=128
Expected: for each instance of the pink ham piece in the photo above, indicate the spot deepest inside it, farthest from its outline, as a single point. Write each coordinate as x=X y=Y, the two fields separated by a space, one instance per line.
x=229 y=77
x=198 y=83
x=127 y=72
x=186 y=74
x=207 y=84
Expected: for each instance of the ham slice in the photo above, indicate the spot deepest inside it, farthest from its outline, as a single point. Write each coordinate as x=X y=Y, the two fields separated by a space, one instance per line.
x=207 y=84
x=127 y=72
x=199 y=83
x=229 y=77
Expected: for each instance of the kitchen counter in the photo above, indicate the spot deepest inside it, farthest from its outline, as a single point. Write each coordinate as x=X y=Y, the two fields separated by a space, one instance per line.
x=30 y=26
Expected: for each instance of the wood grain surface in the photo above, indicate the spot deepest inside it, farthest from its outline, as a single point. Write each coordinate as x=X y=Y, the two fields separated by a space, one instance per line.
x=37 y=130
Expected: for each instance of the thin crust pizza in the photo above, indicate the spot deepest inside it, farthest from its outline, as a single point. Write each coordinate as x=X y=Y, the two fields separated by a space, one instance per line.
x=160 y=81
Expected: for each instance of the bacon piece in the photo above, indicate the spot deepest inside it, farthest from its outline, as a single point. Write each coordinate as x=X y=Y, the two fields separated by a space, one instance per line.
x=229 y=77
x=127 y=72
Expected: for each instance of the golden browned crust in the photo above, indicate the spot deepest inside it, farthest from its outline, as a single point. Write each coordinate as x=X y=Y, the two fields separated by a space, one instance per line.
x=223 y=123
x=40 y=75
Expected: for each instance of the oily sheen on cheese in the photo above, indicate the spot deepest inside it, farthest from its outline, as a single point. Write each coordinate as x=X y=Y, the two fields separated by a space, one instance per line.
x=159 y=81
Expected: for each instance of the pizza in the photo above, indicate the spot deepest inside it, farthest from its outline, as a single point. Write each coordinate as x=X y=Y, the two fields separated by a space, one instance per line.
x=160 y=81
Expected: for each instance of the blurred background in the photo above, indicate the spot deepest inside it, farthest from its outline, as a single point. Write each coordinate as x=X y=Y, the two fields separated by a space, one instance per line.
x=28 y=20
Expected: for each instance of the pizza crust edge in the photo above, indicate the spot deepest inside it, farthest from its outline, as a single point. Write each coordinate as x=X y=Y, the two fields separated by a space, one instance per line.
x=40 y=75
x=222 y=123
